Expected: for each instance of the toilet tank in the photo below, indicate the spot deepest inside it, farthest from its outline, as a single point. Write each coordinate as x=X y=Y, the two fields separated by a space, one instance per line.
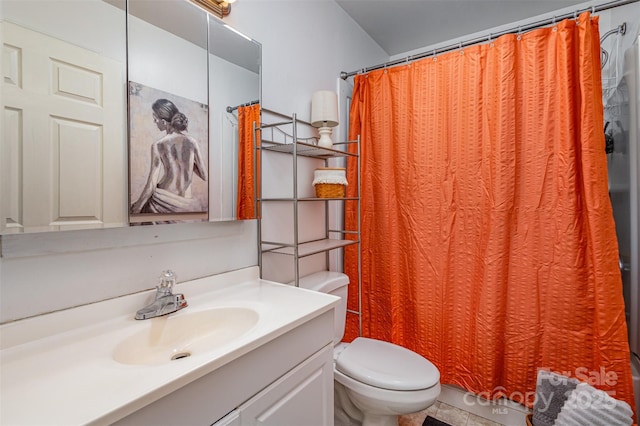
x=334 y=283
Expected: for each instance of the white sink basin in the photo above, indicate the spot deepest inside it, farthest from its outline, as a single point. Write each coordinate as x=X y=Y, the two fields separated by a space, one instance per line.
x=173 y=337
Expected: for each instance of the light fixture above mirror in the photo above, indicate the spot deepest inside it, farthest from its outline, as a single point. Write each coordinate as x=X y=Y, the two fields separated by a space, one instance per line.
x=219 y=8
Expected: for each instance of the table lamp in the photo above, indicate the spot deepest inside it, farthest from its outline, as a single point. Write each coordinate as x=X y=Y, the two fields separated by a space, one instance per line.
x=324 y=115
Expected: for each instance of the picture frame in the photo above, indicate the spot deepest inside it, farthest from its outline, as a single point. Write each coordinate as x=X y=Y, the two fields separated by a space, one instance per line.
x=168 y=157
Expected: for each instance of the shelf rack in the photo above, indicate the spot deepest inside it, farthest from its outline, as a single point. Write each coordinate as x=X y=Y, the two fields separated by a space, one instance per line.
x=334 y=238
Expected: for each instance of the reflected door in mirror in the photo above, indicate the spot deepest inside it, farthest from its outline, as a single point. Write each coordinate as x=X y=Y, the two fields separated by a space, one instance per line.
x=61 y=152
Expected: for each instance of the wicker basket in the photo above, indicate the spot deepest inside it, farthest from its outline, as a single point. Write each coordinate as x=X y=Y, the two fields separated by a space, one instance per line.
x=329 y=190
x=330 y=182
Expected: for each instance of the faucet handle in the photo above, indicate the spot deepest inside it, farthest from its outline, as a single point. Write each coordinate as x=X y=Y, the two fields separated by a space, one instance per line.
x=167 y=281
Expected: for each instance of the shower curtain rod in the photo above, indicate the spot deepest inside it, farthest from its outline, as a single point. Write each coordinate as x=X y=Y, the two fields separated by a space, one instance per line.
x=231 y=109
x=489 y=37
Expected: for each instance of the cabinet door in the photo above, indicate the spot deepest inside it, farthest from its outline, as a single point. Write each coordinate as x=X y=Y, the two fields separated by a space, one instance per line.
x=231 y=419
x=303 y=397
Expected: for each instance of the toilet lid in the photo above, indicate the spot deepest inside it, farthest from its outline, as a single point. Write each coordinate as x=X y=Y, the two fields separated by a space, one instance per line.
x=387 y=366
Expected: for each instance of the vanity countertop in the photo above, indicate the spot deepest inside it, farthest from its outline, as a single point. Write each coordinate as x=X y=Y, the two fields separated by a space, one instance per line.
x=59 y=368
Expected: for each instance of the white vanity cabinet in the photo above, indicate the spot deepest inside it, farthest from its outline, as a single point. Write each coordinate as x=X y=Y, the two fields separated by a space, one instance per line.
x=286 y=381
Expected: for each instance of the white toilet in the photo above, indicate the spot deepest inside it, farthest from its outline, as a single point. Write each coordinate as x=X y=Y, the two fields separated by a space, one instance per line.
x=375 y=381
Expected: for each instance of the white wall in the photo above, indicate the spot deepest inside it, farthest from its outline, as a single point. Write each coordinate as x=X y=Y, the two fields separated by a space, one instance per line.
x=305 y=46
x=608 y=19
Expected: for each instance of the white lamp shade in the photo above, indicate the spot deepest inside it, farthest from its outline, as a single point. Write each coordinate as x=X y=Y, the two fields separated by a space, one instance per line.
x=324 y=109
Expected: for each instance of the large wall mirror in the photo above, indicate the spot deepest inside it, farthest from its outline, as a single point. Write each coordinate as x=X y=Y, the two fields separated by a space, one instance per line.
x=89 y=93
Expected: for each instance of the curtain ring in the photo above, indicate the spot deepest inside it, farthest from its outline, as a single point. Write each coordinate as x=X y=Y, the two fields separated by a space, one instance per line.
x=519 y=32
x=593 y=9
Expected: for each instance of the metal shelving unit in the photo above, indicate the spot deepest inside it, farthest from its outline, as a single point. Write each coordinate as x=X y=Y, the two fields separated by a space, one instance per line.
x=334 y=238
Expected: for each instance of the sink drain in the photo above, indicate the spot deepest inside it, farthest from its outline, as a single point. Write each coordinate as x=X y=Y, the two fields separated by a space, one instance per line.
x=181 y=355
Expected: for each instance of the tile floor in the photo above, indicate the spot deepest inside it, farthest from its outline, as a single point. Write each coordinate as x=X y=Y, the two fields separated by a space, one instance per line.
x=447 y=413
x=458 y=408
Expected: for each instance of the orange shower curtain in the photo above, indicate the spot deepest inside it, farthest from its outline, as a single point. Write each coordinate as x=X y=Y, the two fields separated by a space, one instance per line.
x=246 y=204
x=488 y=242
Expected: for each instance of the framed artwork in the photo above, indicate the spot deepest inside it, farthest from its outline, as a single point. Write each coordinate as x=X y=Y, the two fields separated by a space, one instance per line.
x=168 y=157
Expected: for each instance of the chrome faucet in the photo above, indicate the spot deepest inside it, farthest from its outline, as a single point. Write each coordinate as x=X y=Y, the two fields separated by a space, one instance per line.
x=165 y=302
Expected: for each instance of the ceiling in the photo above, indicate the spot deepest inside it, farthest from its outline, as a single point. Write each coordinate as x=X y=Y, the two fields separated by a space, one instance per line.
x=399 y=26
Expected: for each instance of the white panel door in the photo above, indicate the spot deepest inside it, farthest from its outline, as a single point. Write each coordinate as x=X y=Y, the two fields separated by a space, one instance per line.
x=62 y=155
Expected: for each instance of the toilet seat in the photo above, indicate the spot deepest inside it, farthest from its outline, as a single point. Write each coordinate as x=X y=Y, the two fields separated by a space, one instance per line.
x=386 y=366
